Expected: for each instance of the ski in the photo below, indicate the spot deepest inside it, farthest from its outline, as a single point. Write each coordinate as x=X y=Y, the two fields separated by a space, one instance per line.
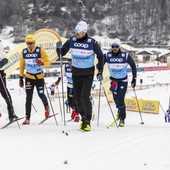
x=9 y=123
x=46 y=118
x=113 y=123
x=93 y=116
x=69 y=120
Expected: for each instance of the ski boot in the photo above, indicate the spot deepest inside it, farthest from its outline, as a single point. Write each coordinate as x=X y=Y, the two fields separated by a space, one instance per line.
x=121 y=123
x=13 y=117
x=87 y=127
x=47 y=111
x=26 y=122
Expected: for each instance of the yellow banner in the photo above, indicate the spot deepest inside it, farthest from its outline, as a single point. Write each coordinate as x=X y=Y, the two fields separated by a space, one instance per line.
x=45 y=38
x=146 y=106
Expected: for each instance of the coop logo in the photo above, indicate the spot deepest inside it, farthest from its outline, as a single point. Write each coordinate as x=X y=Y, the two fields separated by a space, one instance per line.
x=81 y=45
x=116 y=60
x=31 y=55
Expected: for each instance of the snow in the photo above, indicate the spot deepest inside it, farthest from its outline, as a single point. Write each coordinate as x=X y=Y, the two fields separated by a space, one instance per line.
x=43 y=147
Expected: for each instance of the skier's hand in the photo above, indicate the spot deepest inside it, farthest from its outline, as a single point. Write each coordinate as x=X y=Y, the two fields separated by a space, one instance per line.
x=56 y=83
x=21 y=82
x=39 y=62
x=133 y=83
x=59 y=44
x=3 y=62
x=99 y=76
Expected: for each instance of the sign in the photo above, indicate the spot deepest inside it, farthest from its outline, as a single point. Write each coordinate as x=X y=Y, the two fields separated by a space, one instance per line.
x=44 y=38
x=146 y=106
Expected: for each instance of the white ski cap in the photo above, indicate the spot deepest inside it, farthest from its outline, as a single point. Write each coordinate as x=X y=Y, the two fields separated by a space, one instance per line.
x=116 y=41
x=81 y=27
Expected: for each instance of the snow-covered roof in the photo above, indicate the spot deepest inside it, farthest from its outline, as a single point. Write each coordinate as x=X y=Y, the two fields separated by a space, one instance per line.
x=128 y=47
x=144 y=52
x=164 y=53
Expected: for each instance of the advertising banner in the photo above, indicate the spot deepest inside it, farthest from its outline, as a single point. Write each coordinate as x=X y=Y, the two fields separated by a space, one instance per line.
x=146 y=106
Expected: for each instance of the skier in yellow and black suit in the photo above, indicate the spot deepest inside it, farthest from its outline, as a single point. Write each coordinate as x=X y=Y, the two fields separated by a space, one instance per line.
x=33 y=59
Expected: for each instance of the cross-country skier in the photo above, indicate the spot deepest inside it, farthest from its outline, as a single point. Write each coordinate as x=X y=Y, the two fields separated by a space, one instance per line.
x=3 y=89
x=67 y=70
x=52 y=89
x=167 y=116
x=33 y=59
x=83 y=49
x=117 y=62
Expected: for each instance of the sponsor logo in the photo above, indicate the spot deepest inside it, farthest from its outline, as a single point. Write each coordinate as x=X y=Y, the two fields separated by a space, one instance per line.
x=31 y=55
x=81 y=45
x=116 y=60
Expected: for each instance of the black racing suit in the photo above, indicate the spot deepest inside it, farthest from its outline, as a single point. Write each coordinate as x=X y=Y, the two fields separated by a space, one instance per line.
x=83 y=79
x=5 y=94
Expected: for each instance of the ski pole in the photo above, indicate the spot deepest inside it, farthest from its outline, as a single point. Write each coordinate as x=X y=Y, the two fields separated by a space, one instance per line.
x=162 y=108
x=99 y=103
x=110 y=108
x=62 y=84
x=60 y=103
x=50 y=103
x=165 y=115
x=138 y=106
x=31 y=103
x=8 y=97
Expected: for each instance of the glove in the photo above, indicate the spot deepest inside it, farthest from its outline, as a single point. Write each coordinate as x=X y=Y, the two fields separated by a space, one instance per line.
x=59 y=44
x=3 y=62
x=133 y=83
x=21 y=82
x=114 y=86
x=56 y=83
x=99 y=76
x=39 y=62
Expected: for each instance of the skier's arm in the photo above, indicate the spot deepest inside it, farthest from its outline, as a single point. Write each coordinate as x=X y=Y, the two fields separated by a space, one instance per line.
x=104 y=58
x=99 y=53
x=132 y=64
x=22 y=65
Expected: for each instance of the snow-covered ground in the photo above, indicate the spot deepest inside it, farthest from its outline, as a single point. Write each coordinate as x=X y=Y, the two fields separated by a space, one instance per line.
x=45 y=147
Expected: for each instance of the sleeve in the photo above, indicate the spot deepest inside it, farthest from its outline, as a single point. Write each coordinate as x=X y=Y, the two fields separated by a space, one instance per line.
x=65 y=48
x=22 y=65
x=45 y=58
x=100 y=57
x=132 y=64
x=104 y=56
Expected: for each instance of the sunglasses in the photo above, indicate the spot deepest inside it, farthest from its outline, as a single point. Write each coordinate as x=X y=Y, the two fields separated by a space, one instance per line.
x=29 y=43
x=77 y=31
x=115 y=46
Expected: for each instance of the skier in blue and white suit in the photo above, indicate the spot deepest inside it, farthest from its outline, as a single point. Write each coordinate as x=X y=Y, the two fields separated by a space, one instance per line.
x=83 y=49
x=117 y=62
